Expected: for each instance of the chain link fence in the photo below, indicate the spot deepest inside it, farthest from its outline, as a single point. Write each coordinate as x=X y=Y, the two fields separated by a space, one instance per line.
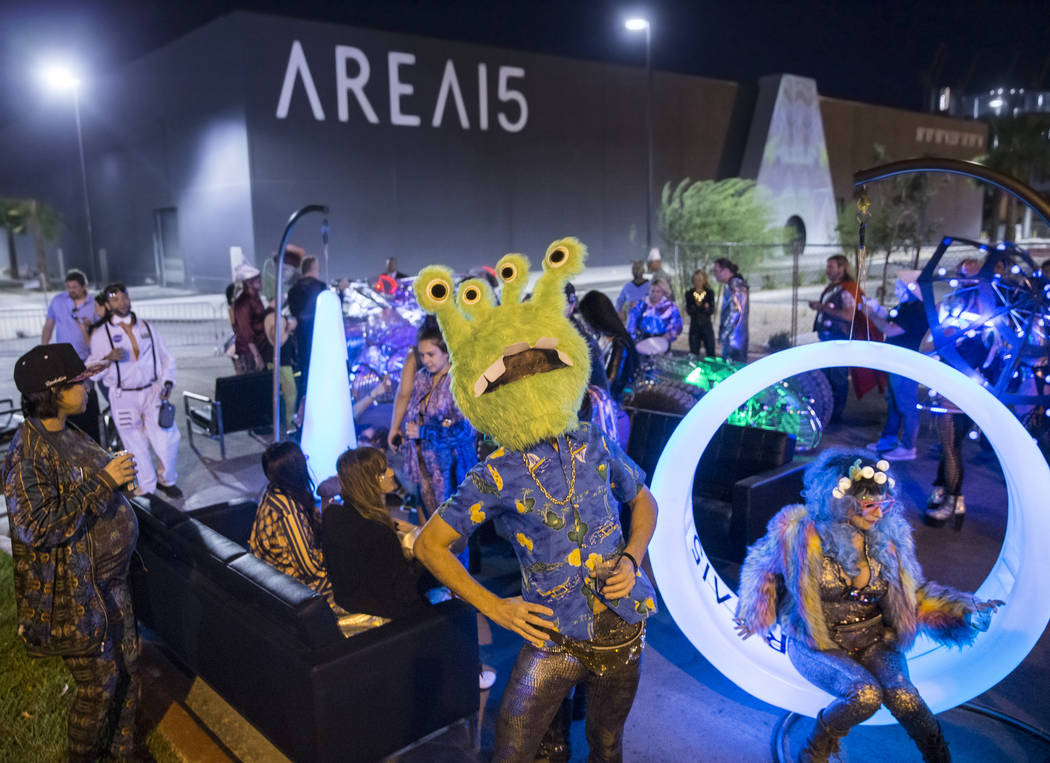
x=784 y=279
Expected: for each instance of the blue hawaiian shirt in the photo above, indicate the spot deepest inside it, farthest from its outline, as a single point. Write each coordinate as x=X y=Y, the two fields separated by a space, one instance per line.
x=558 y=504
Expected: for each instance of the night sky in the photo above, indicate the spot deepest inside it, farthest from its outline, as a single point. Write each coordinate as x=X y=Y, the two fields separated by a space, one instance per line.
x=879 y=52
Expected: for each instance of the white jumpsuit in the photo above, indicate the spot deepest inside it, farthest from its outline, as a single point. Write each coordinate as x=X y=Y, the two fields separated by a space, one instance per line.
x=135 y=384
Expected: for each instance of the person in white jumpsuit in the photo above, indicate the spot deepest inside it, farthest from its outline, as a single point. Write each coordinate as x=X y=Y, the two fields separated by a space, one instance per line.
x=140 y=375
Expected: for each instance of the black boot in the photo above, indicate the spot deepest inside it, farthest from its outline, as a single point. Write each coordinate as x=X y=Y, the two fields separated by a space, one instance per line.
x=933 y=747
x=822 y=743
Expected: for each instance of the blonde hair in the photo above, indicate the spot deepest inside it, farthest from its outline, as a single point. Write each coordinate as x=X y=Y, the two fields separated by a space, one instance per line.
x=359 y=470
x=663 y=283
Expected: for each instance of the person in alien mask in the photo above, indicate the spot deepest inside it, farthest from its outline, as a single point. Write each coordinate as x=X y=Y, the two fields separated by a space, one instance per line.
x=554 y=487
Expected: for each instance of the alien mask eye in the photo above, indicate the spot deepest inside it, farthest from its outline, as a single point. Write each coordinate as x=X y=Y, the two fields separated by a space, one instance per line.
x=558 y=257
x=438 y=290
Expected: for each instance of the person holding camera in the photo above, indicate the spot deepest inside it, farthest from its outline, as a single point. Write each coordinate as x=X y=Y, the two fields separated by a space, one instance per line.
x=140 y=374
x=72 y=537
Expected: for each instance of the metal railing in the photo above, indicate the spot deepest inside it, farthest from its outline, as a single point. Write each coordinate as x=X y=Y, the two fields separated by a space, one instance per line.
x=181 y=324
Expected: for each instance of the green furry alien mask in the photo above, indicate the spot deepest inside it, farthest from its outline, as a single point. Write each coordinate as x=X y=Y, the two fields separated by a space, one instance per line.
x=518 y=369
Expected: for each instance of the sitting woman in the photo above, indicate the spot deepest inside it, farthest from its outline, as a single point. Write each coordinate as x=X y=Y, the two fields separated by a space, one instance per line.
x=840 y=576
x=287 y=526
x=655 y=322
x=369 y=570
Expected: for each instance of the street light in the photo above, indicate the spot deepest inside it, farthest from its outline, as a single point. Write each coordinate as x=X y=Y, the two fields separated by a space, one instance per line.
x=639 y=24
x=63 y=79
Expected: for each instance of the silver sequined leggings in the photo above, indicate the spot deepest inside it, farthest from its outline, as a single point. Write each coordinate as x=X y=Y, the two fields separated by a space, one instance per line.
x=862 y=682
x=538 y=684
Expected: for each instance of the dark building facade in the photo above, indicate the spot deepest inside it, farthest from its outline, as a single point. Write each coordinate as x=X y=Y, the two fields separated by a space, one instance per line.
x=427 y=150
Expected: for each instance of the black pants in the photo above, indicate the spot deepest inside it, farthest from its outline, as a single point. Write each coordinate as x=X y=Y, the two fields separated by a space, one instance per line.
x=838 y=378
x=701 y=330
x=951 y=431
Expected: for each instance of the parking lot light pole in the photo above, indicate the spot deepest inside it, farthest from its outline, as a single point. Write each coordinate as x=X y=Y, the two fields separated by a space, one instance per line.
x=63 y=79
x=638 y=24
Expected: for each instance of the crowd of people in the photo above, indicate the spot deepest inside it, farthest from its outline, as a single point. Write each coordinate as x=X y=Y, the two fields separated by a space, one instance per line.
x=653 y=320
x=373 y=561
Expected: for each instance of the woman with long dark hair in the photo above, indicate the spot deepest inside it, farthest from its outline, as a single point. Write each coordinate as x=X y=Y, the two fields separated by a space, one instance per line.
x=618 y=352
x=287 y=528
x=439 y=443
x=369 y=571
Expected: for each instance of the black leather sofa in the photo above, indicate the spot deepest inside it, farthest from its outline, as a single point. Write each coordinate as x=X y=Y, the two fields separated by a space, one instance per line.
x=272 y=648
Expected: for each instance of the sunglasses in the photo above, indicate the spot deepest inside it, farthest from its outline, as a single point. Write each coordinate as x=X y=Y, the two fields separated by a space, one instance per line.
x=867 y=507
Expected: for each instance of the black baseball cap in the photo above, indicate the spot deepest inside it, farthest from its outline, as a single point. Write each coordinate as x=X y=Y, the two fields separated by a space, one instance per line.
x=49 y=365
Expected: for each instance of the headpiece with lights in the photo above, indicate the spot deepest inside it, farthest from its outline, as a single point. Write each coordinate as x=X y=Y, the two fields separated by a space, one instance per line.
x=518 y=369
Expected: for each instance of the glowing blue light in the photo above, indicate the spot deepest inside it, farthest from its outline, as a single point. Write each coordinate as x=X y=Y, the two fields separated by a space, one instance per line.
x=947 y=241
x=954 y=282
x=893 y=313
x=1015 y=269
x=974 y=434
x=1000 y=246
x=328 y=421
x=942 y=271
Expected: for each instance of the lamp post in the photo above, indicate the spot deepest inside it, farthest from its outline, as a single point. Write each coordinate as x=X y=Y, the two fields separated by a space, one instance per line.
x=63 y=79
x=638 y=24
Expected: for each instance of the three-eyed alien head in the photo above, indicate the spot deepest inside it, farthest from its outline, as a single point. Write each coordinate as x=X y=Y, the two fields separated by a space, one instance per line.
x=520 y=368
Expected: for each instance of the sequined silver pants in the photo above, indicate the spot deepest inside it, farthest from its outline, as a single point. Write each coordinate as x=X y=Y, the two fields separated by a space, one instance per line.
x=862 y=682
x=538 y=684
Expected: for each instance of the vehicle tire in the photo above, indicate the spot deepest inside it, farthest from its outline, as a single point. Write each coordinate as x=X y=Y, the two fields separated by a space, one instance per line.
x=816 y=388
x=664 y=397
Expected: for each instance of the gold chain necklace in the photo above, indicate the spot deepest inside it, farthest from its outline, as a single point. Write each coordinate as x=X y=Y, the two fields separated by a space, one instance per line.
x=572 y=482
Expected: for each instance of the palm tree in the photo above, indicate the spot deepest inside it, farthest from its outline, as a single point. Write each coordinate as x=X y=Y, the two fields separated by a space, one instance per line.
x=13 y=219
x=46 y=225
x=1020 y=146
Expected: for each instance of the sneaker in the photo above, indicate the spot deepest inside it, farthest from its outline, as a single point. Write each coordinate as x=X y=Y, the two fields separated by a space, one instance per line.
x=900 y=453
x=486 y=678
x=172 y=491
x=884 y=444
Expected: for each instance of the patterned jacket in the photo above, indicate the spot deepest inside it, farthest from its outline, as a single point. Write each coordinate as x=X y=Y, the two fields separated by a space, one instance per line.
x=780 y=580
x=51 y=503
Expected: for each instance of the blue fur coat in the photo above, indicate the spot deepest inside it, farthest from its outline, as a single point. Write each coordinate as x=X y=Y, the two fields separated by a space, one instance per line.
x=780 y=582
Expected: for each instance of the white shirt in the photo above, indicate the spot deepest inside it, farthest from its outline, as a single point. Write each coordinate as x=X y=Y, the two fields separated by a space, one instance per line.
x=132 y=372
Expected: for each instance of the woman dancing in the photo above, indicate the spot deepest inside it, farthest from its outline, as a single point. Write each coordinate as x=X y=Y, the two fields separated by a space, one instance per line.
x=841 y=577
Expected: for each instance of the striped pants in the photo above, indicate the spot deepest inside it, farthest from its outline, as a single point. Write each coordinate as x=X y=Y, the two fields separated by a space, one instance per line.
x=102 y=720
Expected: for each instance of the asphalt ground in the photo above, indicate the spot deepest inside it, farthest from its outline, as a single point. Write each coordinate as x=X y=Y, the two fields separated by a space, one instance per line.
x=684 y=707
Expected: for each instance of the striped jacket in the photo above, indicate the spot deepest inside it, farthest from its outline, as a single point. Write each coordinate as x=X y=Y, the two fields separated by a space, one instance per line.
x=284 y=538
x=52 y=504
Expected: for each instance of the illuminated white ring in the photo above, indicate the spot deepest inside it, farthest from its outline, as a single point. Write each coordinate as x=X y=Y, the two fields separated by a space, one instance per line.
x=945 y=677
